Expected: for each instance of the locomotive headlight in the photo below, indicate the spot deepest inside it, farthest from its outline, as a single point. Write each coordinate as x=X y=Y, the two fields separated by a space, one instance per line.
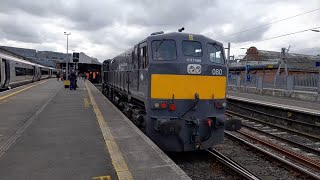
x=156 y=105
x=224 y=104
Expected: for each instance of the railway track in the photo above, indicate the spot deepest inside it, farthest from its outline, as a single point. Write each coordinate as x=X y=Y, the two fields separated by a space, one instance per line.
x=286 y=139
x=235 y=159
x=298 y=157
x=310 y=145
x=275 y=138
x=302 y=170
x=293 y=131
x=243 y=172
x=308 y=124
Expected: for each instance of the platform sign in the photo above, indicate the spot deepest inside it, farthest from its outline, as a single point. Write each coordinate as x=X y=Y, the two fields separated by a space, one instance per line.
x=248 y=67
x=248 y=77
x=75 y=57
x=318 y=64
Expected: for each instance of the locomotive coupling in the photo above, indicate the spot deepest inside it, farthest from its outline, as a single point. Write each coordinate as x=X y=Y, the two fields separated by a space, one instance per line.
x=167 y=126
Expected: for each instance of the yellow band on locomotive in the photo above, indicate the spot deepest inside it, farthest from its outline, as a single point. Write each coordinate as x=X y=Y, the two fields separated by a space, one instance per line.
x=163 y=86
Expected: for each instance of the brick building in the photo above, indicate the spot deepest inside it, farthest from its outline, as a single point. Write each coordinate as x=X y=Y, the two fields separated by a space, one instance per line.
x=266 y=63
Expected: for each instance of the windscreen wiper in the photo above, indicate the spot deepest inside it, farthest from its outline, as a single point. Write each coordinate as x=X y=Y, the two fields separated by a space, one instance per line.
x=215 y=46
x=159 y=45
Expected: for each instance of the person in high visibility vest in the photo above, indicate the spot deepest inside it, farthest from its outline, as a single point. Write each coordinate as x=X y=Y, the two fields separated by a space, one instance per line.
x=86 y=76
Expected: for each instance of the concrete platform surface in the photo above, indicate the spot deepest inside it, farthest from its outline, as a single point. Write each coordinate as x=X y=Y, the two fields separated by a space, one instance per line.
x=57 y=139
x=144 y=159
x=49 y=132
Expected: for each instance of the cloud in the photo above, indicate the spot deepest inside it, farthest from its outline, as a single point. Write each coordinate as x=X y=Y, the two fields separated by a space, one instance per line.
x=104 y=28
x=20 y=30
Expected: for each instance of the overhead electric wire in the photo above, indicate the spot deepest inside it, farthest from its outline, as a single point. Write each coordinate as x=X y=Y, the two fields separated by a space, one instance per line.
x=277 y=36
x=223 y=37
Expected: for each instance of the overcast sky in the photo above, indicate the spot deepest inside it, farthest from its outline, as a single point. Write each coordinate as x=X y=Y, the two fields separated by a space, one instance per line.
x=105 y=28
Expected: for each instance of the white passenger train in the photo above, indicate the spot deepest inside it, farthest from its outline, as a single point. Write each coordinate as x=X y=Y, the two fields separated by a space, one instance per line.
x=15 y=72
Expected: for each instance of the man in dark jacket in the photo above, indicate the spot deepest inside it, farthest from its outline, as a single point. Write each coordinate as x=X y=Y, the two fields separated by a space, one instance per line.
x=58 y=76
x=73 y=78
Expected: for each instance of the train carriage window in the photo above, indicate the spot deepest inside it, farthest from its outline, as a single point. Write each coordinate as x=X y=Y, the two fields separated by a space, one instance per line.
x=44 y=72
x=29 y=72
x=20 y=71
x=164 y=49
x=215 y=53
x=192 y=48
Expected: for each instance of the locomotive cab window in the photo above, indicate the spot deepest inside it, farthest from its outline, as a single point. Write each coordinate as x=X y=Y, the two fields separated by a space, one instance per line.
x=215 y=53
x=164 y=49
x=143 y=56
x=192 y=48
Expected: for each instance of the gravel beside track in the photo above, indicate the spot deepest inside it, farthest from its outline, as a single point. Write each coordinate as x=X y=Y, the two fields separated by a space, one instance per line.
x=200 y=165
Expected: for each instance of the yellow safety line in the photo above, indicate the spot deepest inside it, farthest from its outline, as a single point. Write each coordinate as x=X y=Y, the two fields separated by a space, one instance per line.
x=118 y=162
x=102 y=178
x=86 y=103
x=19 y=91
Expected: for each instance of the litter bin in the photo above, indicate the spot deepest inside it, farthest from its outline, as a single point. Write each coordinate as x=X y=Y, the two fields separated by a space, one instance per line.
x=66 y=83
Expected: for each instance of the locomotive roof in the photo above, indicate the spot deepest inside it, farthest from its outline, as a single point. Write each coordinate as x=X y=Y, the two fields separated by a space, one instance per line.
x=171 y=35
x=183 y=36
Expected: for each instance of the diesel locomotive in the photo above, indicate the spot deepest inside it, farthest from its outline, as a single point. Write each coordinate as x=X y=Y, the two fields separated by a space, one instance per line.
x=173 y=87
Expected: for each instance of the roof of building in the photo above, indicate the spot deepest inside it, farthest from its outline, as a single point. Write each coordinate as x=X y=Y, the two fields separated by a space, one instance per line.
x=48 y=58
x=293 y=60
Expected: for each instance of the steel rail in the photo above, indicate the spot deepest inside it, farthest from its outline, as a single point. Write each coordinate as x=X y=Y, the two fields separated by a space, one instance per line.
x=233 y=165
x=275 y=116
x=301 y=146
x=291 y=154
x=281 y=160
x=275 y=126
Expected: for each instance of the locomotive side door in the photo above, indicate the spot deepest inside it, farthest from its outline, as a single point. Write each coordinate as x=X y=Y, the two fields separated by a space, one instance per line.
x=135 y=70
x=143 y=62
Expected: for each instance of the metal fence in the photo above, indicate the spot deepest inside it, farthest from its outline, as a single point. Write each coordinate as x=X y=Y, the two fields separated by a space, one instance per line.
x=297 y=82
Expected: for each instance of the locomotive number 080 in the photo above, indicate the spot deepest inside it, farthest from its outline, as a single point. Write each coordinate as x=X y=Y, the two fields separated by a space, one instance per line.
x=216 y=72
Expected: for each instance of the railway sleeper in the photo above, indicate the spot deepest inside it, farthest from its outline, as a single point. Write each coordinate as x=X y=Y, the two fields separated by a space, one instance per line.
x=233 y=124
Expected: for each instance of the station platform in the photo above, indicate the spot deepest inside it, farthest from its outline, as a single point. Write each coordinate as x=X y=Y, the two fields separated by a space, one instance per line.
x=312 y=108
x=49 y=132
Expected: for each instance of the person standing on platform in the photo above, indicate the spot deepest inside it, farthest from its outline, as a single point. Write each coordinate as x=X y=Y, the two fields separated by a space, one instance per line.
x=84 y=76
x=73 y=78
x=58 y=76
